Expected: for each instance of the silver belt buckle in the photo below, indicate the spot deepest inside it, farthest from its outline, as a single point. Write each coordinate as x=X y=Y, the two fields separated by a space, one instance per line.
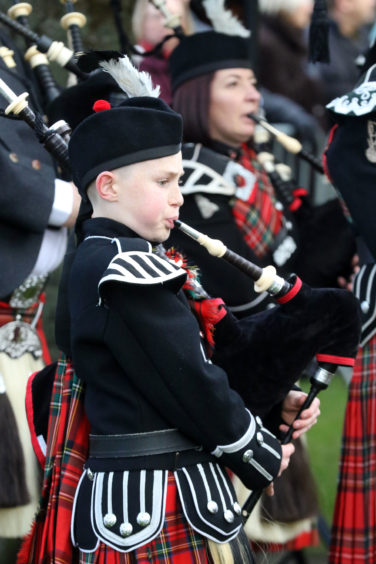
x=28 y=292
x=18 y=338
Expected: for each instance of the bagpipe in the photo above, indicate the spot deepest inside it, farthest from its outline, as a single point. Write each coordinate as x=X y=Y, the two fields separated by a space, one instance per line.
x=37 y=60
x=328 y=317
x=318 y=226
x=289 y=143
x=41 y=49
x=49 y=136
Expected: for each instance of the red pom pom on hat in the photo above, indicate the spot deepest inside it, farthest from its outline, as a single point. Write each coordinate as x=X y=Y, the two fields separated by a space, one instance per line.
x=101 y=105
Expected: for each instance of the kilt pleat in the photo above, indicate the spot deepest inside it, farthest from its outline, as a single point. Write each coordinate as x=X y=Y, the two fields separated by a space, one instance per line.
x=177 y=543
x=353 y=538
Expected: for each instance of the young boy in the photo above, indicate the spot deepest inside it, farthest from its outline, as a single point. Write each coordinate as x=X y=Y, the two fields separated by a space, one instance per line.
x=164 y=421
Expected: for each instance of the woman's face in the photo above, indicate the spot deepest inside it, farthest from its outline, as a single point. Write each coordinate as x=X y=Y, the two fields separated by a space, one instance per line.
x=233 y=95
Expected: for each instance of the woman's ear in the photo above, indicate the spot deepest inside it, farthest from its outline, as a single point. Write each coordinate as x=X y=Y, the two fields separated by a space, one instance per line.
x=107 y=186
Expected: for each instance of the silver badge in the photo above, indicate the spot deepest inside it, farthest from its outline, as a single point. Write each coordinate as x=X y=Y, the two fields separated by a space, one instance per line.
x=18 y=338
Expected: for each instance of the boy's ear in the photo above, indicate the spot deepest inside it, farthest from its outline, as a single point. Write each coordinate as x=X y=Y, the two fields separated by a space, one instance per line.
x=107 y=187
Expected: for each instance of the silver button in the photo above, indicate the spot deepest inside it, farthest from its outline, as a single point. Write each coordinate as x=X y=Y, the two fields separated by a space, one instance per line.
x=109 y=520
x=143 y=519
x=278 y=206
x=126 y=529
x=229 y=516
x=247 y=455
x=288 y=225
x=90 y=474
x=364 y=306
x=260 y=438
x=212 y=506
x=237 y=508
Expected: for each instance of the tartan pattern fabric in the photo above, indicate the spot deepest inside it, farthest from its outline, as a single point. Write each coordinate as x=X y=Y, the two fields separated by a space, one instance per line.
x=177 y=543
x=353 y=537
x=257 y=218
x=67 y=447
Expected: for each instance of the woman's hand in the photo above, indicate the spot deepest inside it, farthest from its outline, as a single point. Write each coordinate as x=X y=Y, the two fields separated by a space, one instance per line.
x=290 y=407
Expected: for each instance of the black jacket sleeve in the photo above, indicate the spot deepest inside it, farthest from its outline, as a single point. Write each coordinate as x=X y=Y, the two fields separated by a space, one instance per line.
x=165 y=361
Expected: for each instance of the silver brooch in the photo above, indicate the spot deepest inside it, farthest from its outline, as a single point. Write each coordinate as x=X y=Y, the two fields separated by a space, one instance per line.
x=18 y=338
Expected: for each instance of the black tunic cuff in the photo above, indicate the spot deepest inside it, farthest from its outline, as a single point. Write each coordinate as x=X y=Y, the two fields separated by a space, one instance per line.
x=255 y=458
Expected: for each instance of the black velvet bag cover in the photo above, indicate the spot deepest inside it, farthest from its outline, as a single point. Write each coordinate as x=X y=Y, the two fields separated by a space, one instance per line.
x=265 y=354
x=327 y=244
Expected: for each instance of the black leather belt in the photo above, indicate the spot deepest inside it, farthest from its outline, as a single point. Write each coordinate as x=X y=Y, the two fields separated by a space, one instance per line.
x=139 y=444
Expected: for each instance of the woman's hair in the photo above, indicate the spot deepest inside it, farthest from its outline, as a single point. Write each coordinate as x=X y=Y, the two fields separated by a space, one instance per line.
x=192 y=101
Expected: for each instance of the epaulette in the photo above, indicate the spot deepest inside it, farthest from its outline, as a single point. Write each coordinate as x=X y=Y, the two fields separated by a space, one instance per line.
x=142 y=268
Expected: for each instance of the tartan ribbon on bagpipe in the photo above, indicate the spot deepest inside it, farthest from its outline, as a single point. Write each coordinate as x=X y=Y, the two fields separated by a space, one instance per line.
x=257 y=218
x=67 y=447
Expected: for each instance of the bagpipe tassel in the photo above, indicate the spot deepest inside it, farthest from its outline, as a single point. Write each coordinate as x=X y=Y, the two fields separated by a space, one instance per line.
x=319 y=34
x=13 y=488
x=233 y=552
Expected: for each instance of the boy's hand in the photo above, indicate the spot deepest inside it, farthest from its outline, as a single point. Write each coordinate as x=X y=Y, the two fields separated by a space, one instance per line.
x=290 y=407
x=287 y=451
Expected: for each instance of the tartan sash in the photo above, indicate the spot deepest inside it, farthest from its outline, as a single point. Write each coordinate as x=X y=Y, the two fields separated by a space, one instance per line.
x=258 y=218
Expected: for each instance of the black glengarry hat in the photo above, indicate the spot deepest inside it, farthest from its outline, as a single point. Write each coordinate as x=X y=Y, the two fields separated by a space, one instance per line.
x=141 y=128
x=207 y=52
x=226 y=46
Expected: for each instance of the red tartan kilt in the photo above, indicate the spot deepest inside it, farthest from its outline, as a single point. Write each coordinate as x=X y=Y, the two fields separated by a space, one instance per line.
x=354 y=532
x=177 y=542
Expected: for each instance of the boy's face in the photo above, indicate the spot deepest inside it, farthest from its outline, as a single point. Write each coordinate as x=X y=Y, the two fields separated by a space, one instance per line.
x=149 y=196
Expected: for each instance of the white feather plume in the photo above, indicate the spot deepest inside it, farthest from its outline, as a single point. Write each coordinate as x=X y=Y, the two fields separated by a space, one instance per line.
x=223 y=20
x=133 y=82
